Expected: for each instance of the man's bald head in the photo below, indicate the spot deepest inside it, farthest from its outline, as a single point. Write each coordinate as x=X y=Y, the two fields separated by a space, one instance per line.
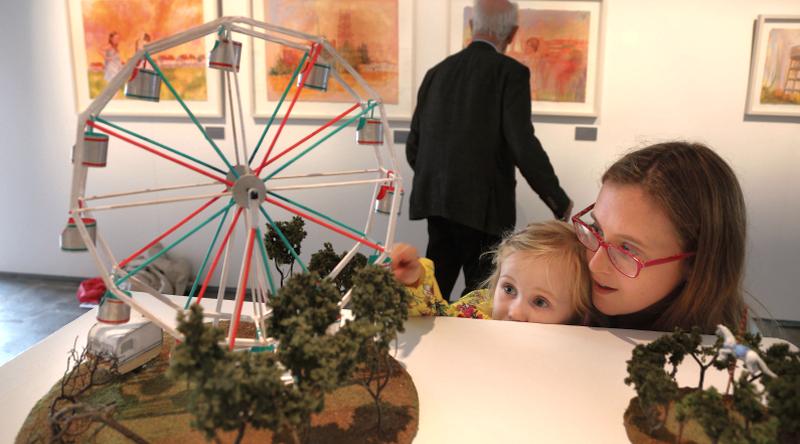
x=496 y=19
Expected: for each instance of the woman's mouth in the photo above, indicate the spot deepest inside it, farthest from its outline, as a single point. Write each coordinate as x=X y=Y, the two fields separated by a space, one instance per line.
x=602 y=289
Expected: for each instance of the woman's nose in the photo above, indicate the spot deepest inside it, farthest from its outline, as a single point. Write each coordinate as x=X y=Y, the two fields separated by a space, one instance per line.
x=598 y=261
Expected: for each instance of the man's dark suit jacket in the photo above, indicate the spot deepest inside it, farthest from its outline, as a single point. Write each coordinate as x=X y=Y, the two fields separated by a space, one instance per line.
x=470 y=128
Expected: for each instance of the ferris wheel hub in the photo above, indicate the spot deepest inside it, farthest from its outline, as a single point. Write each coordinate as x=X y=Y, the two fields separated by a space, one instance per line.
x=248 y=188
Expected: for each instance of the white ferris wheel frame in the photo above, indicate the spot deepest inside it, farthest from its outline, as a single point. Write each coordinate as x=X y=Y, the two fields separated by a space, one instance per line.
x=386 y=174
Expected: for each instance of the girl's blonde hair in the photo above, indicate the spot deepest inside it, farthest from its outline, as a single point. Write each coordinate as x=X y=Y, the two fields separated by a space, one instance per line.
x=551 y=240
x=703 y=200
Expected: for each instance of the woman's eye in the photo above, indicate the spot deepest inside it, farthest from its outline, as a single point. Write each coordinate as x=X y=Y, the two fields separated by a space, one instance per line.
x=540 y=302
x=597 y=228
x=630 y=249
x=509 y=290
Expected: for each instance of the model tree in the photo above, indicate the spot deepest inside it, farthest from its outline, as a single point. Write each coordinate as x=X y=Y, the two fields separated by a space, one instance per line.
x=326 y=259
x=303 y=310
x=294 y=233
x=707 y=408
x=783 y=393
x=69 y=416
x=228 y=390
x=380 y=307
x=655 y=387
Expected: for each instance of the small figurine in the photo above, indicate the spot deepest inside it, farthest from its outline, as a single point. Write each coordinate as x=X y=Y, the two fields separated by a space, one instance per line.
x=752 y=362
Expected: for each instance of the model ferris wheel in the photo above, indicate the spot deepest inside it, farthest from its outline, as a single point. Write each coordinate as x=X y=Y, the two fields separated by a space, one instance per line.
x=247 y=182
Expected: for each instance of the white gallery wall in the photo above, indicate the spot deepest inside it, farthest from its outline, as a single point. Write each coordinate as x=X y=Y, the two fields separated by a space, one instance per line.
x=670 y=70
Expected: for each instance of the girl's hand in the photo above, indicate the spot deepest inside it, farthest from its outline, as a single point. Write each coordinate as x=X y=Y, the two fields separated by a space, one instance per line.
x=405 y=264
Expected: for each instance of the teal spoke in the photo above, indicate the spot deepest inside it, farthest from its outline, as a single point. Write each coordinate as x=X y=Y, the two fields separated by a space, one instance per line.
x=316 y=144
x=329 y=219
x=208 y=254
x=278 y=107
x=264 y=259
x=172 y=245
x=158 y=144
x=189 y=112
x=285 y=241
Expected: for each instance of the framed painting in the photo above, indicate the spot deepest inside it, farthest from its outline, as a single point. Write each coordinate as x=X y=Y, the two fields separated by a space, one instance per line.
x=106 y=33
x=373 y=36
x=560 y=42
x=774 y=88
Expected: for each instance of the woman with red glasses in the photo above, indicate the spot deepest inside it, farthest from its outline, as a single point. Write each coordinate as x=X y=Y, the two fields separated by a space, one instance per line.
x=666 y=240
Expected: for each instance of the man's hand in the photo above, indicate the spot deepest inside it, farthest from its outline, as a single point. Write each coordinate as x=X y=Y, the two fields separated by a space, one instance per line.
x=405 y=264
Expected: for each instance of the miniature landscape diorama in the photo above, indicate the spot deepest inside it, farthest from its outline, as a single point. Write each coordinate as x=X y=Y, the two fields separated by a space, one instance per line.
x=300 y=357
x=760 y=405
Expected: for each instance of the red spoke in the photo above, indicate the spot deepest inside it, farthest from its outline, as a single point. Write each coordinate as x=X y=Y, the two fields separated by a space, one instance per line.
x=243 y=290
x=216 y=258
x=147 y=148
x=314 y=133
x=168 y=232
x=326 y=225
x=304 y=74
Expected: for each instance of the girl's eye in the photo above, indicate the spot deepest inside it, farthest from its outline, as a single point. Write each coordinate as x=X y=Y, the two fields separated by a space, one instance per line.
x=540 y=302
x=509 y=290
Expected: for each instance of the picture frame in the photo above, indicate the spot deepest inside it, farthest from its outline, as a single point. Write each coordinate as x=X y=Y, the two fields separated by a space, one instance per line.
x=774 y=86
x=95 y=60
x=389 y=70
x=560 y=41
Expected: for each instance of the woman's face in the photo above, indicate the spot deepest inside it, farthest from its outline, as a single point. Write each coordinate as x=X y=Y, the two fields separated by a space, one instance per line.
x=624 y=215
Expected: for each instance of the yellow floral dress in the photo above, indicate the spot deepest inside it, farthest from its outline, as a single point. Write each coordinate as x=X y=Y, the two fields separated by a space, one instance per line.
x=427 y=300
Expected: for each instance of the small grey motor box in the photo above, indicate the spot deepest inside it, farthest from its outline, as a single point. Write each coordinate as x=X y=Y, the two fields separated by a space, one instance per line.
x=585 y=133
x=216 y=132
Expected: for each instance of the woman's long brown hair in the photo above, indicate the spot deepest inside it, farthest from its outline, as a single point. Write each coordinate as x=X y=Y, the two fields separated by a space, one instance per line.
x=702 y=198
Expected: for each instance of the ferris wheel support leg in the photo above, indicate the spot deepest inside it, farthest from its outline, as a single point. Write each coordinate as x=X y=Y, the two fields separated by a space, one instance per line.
x=222 y=288
x=264 y=262
x=242 y=290
x=223 y=246
x=205 y=259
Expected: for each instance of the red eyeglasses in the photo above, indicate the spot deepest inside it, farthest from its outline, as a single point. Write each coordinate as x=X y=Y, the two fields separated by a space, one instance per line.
x=624 y=261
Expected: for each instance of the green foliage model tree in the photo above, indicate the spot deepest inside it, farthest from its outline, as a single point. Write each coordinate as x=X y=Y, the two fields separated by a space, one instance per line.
x=380 y=307
x=228 y=390
x=707 y=408
x=783 y=392
x=303 y=311
x=326 y=259
x=654 y=387
x=294 y=231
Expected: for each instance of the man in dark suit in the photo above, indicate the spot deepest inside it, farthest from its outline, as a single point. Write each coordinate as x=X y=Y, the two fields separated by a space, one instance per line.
x=470 y=128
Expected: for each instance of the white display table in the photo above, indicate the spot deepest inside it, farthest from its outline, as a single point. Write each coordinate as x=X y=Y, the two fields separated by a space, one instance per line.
x=478 y=381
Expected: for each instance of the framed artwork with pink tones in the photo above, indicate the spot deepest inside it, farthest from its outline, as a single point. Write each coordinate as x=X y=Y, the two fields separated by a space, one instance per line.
x=559 y=42
x=106 y=33
x=373 y=36
x=774 y=88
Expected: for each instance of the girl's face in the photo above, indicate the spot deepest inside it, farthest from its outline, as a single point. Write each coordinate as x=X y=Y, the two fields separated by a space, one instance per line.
x=625 y=216
x=532 y=289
